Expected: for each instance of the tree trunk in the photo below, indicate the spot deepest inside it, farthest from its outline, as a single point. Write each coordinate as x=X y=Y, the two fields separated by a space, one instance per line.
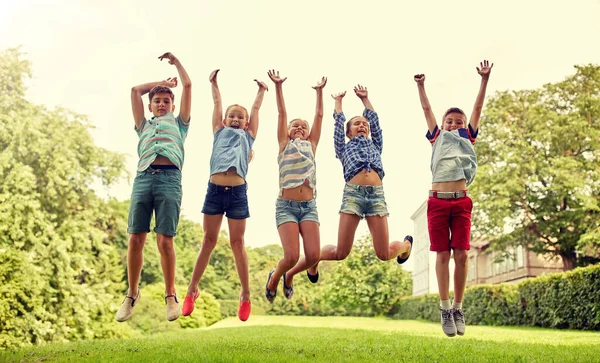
x=568 y=262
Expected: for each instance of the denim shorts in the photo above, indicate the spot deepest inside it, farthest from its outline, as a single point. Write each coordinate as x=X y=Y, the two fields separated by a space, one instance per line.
x=159 y=191
x=295 y=211
x=231 y=201
x=364 y=201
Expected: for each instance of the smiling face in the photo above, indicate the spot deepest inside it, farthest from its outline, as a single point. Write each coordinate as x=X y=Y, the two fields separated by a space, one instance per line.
x=236 y=117
x=298 y=129
x=454 y=119
x=357 y=126
x=161 y=104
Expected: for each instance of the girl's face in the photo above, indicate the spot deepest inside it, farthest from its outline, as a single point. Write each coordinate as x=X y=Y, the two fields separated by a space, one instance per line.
x=453 y=121
x=298 y=129
x=358 y=126
x=236 y=118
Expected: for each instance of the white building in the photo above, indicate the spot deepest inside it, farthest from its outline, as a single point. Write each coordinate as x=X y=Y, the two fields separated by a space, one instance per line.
x=424 y=277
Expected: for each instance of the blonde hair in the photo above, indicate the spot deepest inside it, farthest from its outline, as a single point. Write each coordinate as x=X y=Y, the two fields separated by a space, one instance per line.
x=240 y=106
x=297 y=119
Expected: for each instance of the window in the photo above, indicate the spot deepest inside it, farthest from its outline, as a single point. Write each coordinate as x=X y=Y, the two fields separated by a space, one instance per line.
x=520 y=260
x=472 y=267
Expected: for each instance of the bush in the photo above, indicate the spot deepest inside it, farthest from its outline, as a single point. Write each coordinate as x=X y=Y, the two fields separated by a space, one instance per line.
x=569 y=300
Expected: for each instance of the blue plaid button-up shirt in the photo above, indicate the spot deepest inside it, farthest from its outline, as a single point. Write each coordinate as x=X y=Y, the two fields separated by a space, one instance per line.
x=360 y=152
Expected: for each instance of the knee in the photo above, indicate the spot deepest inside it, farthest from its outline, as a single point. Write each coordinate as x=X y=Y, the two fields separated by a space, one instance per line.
x=461 y=257
x=382 y=255
x=312 y=258
x=165 y=244
x=237 y=244
x=291 y=259
x=209 y=243
x=137 y=241
x=443 y=258
x=341 y=254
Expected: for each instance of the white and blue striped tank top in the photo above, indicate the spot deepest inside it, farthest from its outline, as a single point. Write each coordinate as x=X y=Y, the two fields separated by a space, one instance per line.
x=297 y=165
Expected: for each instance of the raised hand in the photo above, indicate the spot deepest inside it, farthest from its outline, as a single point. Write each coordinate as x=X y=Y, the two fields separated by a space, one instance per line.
x=485 y=70
x=321 y=84
x=338 y=96
x=420 y=79
x=213 y=76
x=261 y=85
x=168 y=55
x=274 y=75
x=170 y=82
x=361 y=91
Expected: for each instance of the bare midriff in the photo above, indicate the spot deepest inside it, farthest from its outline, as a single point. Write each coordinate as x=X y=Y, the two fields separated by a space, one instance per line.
x=453 y=186
x=300 y=193
x=227 y=178
x=162 y=160
x=365 y=177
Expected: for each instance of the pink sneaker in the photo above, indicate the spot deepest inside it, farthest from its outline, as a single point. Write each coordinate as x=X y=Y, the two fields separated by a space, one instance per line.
x=188 y=304
x=244 y=310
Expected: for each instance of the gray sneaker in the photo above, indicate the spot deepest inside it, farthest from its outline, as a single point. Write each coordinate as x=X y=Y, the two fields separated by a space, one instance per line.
x=459 y=320
x=448 y=325
x=126 y=309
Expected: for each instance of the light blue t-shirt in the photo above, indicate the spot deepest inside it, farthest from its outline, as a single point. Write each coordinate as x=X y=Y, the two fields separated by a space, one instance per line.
x=231 y=148
x=453 y=157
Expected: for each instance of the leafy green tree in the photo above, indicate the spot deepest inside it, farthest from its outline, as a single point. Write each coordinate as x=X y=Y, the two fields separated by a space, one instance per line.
x=58 y=273
x=538 y=182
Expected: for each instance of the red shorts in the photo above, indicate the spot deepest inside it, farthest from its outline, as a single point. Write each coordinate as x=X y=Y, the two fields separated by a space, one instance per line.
x=449 y=223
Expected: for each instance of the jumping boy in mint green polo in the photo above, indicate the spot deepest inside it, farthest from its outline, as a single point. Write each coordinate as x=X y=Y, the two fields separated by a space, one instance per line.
x=157 y=185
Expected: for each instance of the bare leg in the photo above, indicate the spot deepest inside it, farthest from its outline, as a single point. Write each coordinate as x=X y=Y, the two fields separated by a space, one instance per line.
x=384 y=250
x=312 y=243
x=167 y=261
x=346 y=231
x=212 y=225
x=461 y=268
x=290 y=240
x=237 y=228
x=135 y=260
x=443 y=274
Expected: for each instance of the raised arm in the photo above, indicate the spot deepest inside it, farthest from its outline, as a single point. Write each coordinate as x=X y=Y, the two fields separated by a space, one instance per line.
x=137 y=104
x=371 y=116
x=338 y=133
x=185 y=107
x=315 y=132
x=253 y=124
x=282 y=129
x=484 y=72
x=217 y=118
x=363 y=94
x=429 y=117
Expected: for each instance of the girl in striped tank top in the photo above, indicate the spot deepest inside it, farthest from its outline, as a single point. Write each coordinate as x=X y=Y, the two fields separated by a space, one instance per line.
x=296 y=209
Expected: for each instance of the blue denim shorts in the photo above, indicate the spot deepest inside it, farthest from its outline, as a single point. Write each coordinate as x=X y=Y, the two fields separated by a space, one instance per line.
x=159 y=191
x=364 y=201
x=231 y=201
x=295 y=211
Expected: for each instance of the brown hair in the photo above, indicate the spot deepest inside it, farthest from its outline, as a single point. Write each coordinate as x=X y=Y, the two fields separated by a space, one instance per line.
x=161 y=89
x=349 y=123
x=454 y=110
x=236 y=105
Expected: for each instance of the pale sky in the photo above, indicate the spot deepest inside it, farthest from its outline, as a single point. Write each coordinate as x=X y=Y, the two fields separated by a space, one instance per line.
x=87 y=55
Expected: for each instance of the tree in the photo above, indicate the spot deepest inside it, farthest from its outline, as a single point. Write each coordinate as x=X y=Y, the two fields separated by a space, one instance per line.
x=538 y=182
x=59 y=275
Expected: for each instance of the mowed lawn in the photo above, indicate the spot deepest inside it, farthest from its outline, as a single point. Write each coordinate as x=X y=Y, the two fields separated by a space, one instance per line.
x=328 y=339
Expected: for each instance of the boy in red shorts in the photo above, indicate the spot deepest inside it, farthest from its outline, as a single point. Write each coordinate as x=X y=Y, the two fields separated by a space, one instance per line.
x=453 y=165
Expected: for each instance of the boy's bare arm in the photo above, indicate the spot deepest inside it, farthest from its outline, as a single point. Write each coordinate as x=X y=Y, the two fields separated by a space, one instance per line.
x=338 y=101
x=429 y=117
x=484 y=72
x=137 y=104
x=217 y=119
x=315 y=133
x=363 y=94
x=282 y=131
x=186 y=95
x=253 y=125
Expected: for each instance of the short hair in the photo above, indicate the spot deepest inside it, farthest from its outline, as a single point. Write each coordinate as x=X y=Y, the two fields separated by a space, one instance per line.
x=161 y=89
x=454 y=110
x=236 y=105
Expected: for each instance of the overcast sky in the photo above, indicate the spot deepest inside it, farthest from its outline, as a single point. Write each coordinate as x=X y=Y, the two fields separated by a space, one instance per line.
x=86 y=56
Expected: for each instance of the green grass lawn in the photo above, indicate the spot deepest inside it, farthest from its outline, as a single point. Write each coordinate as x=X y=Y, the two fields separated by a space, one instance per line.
x=329 y=339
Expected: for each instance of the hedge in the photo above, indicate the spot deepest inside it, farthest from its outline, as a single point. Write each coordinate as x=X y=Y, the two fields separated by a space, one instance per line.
x=569 y=300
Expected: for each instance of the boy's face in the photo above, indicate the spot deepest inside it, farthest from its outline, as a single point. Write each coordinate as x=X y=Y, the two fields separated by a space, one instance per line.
x=298 y=130
x=454 y=120
x=358 y=126
x=236 y=118
x=161 y=104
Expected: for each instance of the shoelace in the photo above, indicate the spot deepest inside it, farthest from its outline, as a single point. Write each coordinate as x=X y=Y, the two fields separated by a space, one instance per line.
x=459 y=315
x=447 y=317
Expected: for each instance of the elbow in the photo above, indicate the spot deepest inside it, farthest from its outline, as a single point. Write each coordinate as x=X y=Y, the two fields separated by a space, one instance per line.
x=135 y=91
x=187 y=84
